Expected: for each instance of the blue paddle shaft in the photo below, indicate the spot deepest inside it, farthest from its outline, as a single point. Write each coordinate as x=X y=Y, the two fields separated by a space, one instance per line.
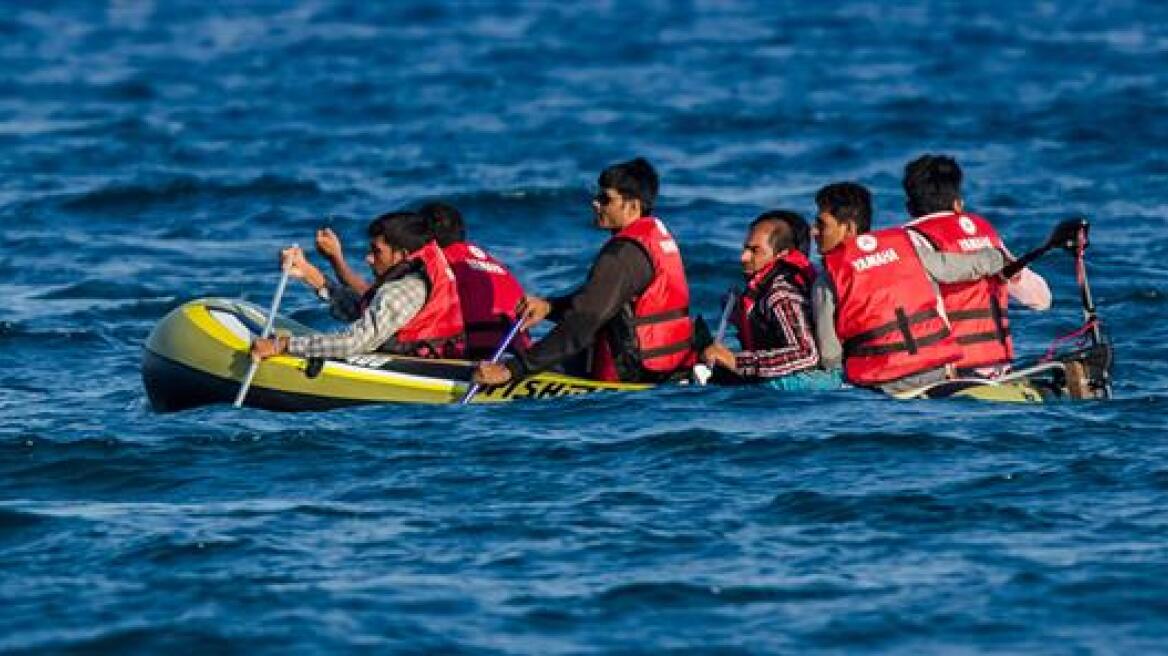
x=731 y=296
x=474 y=388
x=268 y=325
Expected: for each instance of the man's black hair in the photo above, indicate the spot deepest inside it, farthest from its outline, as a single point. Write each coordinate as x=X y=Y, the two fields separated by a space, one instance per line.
x=932 y=183
x=406 y=231
x=634 y=179
x=445 y=222
x=848 y=202
x=796 y=235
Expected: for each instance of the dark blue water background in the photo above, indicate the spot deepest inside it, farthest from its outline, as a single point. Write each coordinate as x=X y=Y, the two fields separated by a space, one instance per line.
x=156 y=152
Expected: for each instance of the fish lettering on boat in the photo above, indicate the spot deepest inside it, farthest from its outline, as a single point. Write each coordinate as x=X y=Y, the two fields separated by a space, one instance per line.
x=536 y=389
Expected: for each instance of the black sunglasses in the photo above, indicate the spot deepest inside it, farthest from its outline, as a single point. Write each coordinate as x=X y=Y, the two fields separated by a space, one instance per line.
x=602 y=198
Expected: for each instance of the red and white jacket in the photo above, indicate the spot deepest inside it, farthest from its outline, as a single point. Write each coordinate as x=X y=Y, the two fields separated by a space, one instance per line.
x=436 y=331
x=488 y=295
x=795 y=266
x=977 y=310
x=886 y=309
x=660 y=325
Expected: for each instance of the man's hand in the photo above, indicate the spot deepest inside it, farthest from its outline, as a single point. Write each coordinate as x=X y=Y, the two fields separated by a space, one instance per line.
x=329 y=245
x=262 y=349
x=718 y=354
x=300 y=268
x=533 y=309
x=292 y=258
x=489 y=373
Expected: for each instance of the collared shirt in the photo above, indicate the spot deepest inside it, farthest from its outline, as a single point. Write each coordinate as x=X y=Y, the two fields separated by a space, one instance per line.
x=393 y=305
x=785 y=314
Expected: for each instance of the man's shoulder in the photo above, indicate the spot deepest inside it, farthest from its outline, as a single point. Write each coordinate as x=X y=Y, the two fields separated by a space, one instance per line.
x=626 y=250
x=410 y=282
x=785 y=284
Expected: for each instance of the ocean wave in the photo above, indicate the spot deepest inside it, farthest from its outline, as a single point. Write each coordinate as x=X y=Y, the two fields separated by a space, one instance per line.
x=98 y=288
x=12 y=519
x=131 y=197
x=14 y=333
x=662 y=595
x=908 y=510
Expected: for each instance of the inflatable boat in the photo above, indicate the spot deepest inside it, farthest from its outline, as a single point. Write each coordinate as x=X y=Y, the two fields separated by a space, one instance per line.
x=198 y=355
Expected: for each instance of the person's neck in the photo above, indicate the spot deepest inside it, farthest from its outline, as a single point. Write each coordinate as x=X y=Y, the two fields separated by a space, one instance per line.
x=625 y=222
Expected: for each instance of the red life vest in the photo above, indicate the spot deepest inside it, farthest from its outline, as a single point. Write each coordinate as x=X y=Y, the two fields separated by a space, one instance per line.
x=659 y=330
x=436 y=331
x=976 y=309
x=794 y=267
x=886 y=309
x=488 y=294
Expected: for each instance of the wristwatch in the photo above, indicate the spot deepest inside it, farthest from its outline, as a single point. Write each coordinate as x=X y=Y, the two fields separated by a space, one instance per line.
x=323 y=293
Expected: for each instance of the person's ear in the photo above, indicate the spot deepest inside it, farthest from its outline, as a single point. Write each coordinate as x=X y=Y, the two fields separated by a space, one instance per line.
x=958 y=205
x=636 y=205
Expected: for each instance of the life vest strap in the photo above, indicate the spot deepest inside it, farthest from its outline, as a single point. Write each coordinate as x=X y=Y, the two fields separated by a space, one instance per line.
x=978 y=338
x=999 y=320
x=968 y=315
x=897 y=347
x=858 y=340
x=994 y=312
x=660 y=317
x=669 y=349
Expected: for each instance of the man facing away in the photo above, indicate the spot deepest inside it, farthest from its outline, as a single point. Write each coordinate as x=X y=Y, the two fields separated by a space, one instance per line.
x=633 y=310
x=411 y=308
x=876 y=307
x=976 y=309
x=773 y=315
x=487 y=291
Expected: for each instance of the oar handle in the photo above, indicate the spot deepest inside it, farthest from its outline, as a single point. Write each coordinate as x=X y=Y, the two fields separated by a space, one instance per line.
x=1067 y=234
x=498 y=355
x=703 y=370
x=267 y=330
x=1012 y=269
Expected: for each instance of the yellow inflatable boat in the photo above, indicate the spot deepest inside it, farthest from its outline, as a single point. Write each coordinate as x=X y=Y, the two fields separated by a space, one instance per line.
x=198 y=355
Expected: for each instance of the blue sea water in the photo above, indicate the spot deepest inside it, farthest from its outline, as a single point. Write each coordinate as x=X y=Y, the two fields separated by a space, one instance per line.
x=153 y=152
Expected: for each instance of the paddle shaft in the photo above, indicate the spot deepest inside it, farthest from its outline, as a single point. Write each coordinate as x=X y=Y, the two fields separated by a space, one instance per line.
x=703 y=370
x=1012 y=269
x=1071 y=234
x=474 y=388
x=1089 y=313
x=731 y=297
x=268 y=325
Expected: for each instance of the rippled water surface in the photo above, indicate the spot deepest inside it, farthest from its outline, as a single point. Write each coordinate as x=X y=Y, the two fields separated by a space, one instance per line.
x=155 y=152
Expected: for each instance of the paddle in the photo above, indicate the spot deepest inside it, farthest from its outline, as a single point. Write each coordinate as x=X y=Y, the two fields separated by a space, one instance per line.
x=702 y=371
x=268 y=325
x=1065 y=234
x=474 y=388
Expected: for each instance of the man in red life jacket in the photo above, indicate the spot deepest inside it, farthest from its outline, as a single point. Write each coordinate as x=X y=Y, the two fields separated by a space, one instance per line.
x=488 y=293
x=633 y=311
x=876 y=306
x=976 y=309
x=773 y=315
x=411 y=308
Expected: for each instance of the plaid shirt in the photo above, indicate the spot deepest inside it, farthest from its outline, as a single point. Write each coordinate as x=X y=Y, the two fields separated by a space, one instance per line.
x=394 y=304
x=785 y=314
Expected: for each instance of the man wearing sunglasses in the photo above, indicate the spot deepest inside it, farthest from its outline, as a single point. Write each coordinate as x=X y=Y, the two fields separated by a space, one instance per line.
x=632 y=313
